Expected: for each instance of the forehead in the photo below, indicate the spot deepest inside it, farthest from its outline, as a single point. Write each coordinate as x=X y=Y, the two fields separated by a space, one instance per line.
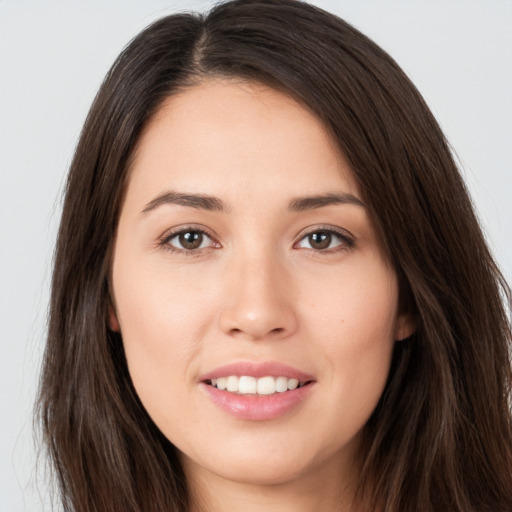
x=222 y=136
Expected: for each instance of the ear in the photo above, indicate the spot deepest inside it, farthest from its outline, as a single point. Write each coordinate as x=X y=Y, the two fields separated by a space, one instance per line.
x=113 y=322
x=405 y=326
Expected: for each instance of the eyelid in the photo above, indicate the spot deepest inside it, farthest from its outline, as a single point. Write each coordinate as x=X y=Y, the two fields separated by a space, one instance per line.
x=163 y=240
x=347 y=239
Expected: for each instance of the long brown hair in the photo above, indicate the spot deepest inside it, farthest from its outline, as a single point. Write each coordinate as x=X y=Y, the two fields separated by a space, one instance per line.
x=441 y=436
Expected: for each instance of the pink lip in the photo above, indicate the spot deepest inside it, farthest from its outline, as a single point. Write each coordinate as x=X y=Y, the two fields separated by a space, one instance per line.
x=257 y=370
x=257 y=407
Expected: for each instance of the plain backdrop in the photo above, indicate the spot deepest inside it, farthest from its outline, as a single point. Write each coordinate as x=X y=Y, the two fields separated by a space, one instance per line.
x=53 y=56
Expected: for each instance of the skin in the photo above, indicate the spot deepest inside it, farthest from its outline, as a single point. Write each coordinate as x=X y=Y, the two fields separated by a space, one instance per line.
x=256 y=290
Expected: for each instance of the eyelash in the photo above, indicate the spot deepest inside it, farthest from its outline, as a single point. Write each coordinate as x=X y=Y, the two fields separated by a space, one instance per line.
x=166 y=239
x=347 y=242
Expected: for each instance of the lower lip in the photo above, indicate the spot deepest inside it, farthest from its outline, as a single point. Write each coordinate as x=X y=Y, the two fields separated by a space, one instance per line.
x=257 y=407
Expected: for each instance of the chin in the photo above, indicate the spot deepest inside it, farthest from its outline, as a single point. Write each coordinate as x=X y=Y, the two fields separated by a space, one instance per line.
x=276 y=460
x=261 y=470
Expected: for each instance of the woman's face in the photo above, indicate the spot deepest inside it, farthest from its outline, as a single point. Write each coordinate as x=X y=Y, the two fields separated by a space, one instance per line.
x=246 y=258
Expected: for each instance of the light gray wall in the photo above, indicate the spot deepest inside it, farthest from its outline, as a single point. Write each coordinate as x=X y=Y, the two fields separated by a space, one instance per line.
x=53 y=55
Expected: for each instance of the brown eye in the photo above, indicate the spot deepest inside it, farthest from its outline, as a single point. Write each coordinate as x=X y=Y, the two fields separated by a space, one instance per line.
x=189 y=240
x=326 y=240
x=320 y=240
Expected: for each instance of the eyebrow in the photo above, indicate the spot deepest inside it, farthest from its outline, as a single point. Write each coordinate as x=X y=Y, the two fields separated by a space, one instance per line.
x=198 y=201
x=301 y=204
x=211 y=203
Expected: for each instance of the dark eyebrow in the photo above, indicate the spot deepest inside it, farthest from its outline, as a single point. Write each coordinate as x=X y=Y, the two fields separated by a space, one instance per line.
x=199 y=201
x=301 y=204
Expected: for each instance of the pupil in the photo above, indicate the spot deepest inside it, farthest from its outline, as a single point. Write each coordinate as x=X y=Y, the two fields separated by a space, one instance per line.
x=191 y=239
x=320 y=240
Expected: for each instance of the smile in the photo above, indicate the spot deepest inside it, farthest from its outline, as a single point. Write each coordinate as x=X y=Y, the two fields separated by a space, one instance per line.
x=257 y=391
x=248 y=385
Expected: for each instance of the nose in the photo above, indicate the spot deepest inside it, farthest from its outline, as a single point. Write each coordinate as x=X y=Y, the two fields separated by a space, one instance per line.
x=259 y=300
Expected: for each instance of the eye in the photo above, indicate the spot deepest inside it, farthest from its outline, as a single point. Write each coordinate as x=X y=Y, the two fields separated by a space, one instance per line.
x=326 y=240
x=188 y=240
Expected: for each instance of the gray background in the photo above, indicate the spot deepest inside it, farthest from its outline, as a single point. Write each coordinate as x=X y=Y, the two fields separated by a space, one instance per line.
x=53 y=56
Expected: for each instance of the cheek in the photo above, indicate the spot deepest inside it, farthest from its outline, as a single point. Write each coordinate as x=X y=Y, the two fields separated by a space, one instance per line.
x=353 y=321
x=354 y=307
x=161 y=327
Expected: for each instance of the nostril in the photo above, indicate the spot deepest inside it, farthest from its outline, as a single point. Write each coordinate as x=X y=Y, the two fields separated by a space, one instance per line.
x=257 y=334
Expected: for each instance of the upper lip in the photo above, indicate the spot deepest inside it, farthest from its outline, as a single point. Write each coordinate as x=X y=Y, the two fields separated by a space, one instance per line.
x=268 y=368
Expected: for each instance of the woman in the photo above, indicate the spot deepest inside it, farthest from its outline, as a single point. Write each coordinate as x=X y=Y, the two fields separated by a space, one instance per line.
x=270 y=289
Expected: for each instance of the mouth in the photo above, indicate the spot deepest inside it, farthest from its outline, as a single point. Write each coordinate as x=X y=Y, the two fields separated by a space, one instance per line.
x=250 y=385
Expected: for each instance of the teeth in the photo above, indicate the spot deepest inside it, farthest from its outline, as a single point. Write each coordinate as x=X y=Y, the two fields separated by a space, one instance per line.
x=266 y=386
x=232 y=384
x=293 y=383
x=282 y=384
x=247 y=385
